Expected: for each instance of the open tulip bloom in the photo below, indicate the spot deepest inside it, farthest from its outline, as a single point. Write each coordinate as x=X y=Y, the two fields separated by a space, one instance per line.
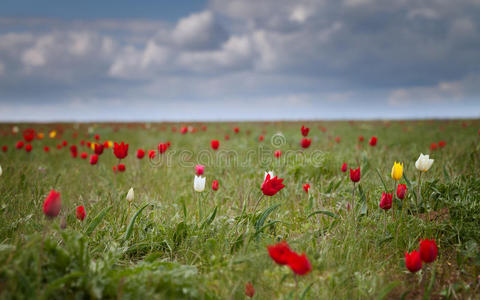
x=423 y=164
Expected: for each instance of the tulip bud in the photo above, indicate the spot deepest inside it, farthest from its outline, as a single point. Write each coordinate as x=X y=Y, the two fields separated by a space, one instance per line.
x=199 y=183
x=344 y=167
x=373 y=141
x=52 y=204
x=428 y=250
x=306 y=187
x=401 y=191
x=277 y=153
x=130 y=195
x=215 y=185
x=413 y=261
x=81 y=212
x=249 y=290
x=199 y=169
x=397 y=171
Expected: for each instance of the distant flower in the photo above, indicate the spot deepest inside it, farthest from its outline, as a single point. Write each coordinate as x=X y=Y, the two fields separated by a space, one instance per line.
x=140 y=153
x=81 y=212
x=401 y=191
x=28 y=135
x=199 y=169
x=40 y=135
x=344 y=167
x=83 y=155
x=397 y=171
x=98 y=148
x=93 y=159
x=355 y=175
x=227 y=137
x=299 y=264
x=433 y=146
x=361 y=138
x=199 y=183
x=442 y=144
x=28 y=147
x=305 y=143
x=215 y=185
x=277 y=153
x=423 y=163
x=249 y=290
x=52 y=134
x=271 y=186
x=428 y=250
x=52 y=204
x=162 y=148
x=236 y=130
x=279 y=252
x=261 y=138
x=130 y=195
x=47 y=149
x=73 y=151
x=120 y=150
x=121 y=167
x=306 y=187
x=184 y=130
x=151 y=154
x=373 y=141
x=65 y=143
x=15 y=129
x=413 y=261
x=386 y=201
x=215 y=144
x=4 y=148
x=114 y=169
x=97 y=137
x=19 y=145
x=304 y=130
x=337 y=139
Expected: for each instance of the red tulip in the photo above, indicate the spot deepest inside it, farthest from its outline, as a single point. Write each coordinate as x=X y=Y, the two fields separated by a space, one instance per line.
x=215 y=144
x=184 y=130
x=83 y=155
x=121 y=167
x=306 y=186
x=28 y=147
x=98 y=148
x=81 y=212
x=162 y=148
x=82 y=143
x=73 y=151
x=361 y=138
x=344 y=167
x=277 y=153
x=236 y=130
x=305 y=143
x=373 y=141
x=433 y=146
x=442 y=144
x=337 y=139
x=114 y=169
x=29 y=135
x=19 y=145
x=299 y=264
x=97 y=137
x=4 y=148
x=151 y=154
x=261 y=138
x=249 y=290
x=199 y=169
x=46 y=149
x=428 y=250
x=401 y=191
x=106 y=144
x=52 y=204
x=271 y=186
x=64 y=143
x=386 y=201
x=140 y=153
x=413 y=261
x=120 y=150
x=59 y=146
x=355 y=175
x=304 y=130
x=93 y=159
x=227 y=137
x=279 y=252
x=215 y=185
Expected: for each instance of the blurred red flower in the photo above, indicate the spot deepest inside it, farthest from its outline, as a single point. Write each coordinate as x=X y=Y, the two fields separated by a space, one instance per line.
x=401 y=191
x=52 y=204
x=344 y=167
x=120 y=150
x=305 y=143
x=413 y=261
x=215 y=144
x=373 y=141
x=355 y=175
x=81 y=212
x=428 y=250
x=93 y=159
x=304 y=130
x=140 y=153
x=215 y=185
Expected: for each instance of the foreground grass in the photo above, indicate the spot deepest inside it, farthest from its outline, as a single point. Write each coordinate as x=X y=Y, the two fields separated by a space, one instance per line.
x=208 y=245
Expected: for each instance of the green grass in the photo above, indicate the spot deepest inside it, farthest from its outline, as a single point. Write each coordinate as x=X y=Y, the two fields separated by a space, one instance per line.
x=169 y=251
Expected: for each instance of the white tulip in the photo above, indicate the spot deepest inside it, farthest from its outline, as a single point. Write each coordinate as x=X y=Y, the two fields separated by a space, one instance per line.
x=267 y=173
x=15 y=129
x=423 y=163
x=199 y=183
x=130 y=195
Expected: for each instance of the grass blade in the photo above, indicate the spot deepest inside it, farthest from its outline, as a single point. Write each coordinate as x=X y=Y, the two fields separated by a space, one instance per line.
x=98 y=218
x=128 y=233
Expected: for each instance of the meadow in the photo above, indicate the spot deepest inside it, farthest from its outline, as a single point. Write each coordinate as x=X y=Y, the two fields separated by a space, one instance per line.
x=170 y=241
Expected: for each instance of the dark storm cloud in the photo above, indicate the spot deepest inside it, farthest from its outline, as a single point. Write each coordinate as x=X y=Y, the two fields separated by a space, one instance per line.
x=303 y=54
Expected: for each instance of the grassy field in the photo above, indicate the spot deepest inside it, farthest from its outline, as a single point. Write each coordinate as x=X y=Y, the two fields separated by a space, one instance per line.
x=171 y=242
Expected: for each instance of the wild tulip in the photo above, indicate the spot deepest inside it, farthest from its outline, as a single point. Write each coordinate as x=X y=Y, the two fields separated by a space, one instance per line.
x=93 y=159
x=227 y=137
x=361 y=138
x=279 y=252
x=59 y=146
x=98 y=149
x=236 y=130
x=428 y=250
x=386 y=201
x=277 y=153
x=249 y=290
x=397 y=171
x=28 y=135
x=442 y=144
x=114 y=169
x=305 y=143
x=433 y=146
x=337 y=139
x=151 y=154
x=268 y=173
x=183 y=130
x=355 y=175
x=4 y=148
x=199 y=183
x=271 y=186
x=215 y=185
x=140 y=153
x=19 y=145
x=401 y=191
x=130 y=195
x=373 y=141
x=199 y=169
x=46 y=149
x=344 y=167
x=304 y=130
x=215 y=144
x=261 y=138
x=81 y=212
x=299 y=264
x=121 y=167
x=306 y=187
x=120 y=150
x=28 y=147
x=97 y=137
x=52 y=204
x=423 y=163
x=162 y=148
x=83 y=155
x=413 y=261
x=64 y=143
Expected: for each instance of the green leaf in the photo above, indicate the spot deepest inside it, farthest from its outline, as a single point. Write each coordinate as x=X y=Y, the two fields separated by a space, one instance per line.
x=264 y=216
x=428 y=289
x=51 y=287
x=305 y=291
x=383 y=182
x=323 y=212
x=386 y=290
x=98 y=218
x=180 y=233
x=128 y=233
x=210 y=219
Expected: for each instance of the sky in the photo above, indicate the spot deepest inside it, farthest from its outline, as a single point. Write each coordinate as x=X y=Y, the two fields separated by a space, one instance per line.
x=221 y=60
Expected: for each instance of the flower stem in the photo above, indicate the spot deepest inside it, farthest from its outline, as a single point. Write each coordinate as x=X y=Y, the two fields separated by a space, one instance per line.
x=256 y=204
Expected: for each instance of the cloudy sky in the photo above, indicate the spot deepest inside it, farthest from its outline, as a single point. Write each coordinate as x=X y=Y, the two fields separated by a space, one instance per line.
x=239 y=59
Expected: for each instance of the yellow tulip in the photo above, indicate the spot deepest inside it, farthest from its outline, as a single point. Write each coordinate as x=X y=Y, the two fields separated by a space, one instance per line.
x=110 y=144
x=397 y=171
x=52 y=134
